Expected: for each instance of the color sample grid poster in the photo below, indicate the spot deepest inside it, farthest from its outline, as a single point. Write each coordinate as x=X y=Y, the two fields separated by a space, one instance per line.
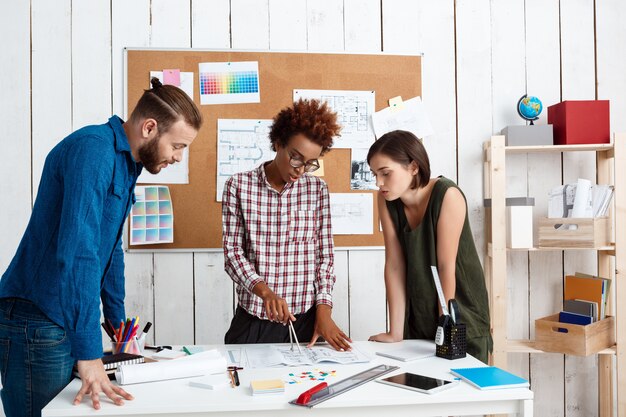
x=152 y=216
x=229 y=82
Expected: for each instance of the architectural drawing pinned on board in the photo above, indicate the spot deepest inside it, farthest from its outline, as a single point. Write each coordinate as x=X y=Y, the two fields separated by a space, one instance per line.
x=152 y=216
x=361 y=176
x=179 y=172
x=411 y=117
x=242 y=145
x=354 y=110
x=352 y=213
x=229 y=82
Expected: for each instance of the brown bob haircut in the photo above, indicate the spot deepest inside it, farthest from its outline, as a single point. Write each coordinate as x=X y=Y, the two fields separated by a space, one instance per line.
x=404 y=147
x=310 y=118
x=166 y=104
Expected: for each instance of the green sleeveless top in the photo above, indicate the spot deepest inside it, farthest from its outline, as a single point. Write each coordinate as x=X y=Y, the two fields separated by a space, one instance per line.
x=420 y=252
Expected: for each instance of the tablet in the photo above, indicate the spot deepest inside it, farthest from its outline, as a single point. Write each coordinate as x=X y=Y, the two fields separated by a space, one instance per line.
x=419 y=383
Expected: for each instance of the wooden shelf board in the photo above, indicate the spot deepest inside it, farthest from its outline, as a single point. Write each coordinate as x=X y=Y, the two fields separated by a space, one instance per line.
x=528 y=346
x=544 y=249
x=559 y=148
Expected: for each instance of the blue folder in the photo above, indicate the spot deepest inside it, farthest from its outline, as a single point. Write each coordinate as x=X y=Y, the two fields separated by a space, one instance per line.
x=490 y=377
x=574 y=318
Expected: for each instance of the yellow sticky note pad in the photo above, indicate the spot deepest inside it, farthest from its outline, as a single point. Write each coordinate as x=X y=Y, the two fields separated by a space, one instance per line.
x=396 y=103
x=320 y=171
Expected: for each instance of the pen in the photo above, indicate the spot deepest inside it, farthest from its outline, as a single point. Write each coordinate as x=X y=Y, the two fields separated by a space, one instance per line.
x=186 y=350
x=108 y=332
x=145 y=330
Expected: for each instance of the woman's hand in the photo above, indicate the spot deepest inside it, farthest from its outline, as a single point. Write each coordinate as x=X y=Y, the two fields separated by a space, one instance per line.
x=385 y=338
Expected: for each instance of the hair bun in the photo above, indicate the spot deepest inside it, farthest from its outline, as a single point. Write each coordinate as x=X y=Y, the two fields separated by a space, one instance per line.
x=155 y=83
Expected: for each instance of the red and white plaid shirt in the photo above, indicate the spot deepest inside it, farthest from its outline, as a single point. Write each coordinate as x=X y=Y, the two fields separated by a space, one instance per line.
x=282 y=238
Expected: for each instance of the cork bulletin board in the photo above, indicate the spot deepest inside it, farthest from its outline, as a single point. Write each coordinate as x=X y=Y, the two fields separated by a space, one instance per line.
x=197 y=214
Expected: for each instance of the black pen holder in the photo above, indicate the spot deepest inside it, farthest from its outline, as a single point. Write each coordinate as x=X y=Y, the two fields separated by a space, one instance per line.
x=454 y=342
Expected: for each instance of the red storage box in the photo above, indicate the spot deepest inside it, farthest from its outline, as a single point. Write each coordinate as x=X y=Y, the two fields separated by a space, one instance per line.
x=580 y=121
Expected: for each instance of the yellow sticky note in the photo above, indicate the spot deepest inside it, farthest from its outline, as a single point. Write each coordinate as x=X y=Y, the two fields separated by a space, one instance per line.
x=396 y=103
x=320 y=171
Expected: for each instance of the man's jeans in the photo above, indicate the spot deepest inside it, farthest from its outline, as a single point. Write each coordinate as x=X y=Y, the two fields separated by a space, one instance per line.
x=35 y=358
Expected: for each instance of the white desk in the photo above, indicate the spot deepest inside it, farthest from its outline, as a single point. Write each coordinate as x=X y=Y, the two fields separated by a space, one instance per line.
x=177 y=398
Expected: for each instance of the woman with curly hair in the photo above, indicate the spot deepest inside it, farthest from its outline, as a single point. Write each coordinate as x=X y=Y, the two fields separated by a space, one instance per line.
x=278 y=244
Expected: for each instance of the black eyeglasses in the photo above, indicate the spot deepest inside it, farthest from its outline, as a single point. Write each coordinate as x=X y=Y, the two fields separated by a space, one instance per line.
x=309 y=166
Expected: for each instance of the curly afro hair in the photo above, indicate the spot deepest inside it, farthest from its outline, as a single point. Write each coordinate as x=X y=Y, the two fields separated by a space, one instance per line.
x=311 y=118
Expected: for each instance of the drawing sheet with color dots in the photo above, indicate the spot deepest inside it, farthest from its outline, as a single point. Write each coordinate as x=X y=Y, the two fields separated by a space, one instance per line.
x=229 y=82
x=152 y=216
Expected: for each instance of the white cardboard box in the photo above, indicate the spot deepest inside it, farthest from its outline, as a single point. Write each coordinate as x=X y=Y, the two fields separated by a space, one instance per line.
x=519 y=226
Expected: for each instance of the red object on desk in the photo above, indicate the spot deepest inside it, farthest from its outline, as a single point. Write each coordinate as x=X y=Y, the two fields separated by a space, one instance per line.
x=305 y=397
x=580 y=121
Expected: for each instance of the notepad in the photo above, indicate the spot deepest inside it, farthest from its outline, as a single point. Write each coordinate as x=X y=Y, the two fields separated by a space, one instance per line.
x=111 y=362
x=490 y=377
x=116 y=359
x=267 y=386
x=410 y=350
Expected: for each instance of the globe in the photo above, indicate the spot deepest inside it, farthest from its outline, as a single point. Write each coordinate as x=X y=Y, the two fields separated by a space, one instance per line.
x=529 y=108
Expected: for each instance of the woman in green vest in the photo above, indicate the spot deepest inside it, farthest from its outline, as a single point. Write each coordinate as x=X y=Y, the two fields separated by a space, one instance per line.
x=425 y=223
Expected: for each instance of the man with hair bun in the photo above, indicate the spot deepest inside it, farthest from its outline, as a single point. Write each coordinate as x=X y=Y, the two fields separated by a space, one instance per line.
x=278 y=243
x=71 y=255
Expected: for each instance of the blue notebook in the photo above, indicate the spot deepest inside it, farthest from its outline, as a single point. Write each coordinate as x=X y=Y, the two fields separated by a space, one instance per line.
x=490 y=377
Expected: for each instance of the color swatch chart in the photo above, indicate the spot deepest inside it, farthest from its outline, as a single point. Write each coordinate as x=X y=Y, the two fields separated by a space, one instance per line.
x=229 y=82
x=152 y=216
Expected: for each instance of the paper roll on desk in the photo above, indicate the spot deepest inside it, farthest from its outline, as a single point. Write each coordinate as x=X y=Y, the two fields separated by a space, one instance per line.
x=203 y=363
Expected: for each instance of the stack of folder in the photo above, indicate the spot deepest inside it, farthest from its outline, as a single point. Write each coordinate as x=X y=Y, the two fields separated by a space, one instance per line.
x=267 y=386
x=584 y=299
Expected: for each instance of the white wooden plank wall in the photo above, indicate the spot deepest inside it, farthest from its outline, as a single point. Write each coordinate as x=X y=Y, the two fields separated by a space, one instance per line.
x=15 y=133
x=65 y=66
x=509 y=80
x=545 y=268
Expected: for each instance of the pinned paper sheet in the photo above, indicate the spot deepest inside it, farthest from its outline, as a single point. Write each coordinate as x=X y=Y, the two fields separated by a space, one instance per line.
x=411 y=117
x=229 y=82
x=152 y=216
x=354 y=110
x=352 y=213
x=320 y=171
x=396 y=103
x=185 y=80
x=171 y=77
x=242 y=145
x=361 y=176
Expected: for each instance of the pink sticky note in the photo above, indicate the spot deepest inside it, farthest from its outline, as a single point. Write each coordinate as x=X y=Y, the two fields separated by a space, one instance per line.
x=171 y=77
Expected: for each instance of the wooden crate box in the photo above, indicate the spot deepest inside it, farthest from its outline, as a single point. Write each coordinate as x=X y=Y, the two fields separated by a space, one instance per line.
x=589 y=233
x=574 y=339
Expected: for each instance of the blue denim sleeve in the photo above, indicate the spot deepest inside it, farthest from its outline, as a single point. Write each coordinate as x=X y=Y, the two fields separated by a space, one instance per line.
x=113 y=291
x=86 y=171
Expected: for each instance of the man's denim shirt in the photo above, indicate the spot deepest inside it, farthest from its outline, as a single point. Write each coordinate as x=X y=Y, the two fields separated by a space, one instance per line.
x=71 y=253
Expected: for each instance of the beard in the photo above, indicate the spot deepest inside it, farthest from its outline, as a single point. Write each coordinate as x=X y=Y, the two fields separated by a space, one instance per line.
x=149 y=156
